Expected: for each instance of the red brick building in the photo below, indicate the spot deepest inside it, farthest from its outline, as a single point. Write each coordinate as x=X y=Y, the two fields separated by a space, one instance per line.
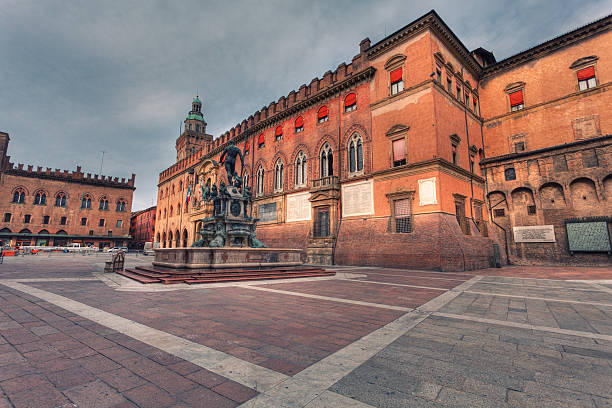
x=142 y=227
x=54 y=208
x=377 y=162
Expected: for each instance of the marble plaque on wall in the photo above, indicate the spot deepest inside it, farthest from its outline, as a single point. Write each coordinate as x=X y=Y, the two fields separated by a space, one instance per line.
x=358 y=199
x=427 y=191
x=298 y=207
x=588 y=236
x=267 y=212
x=535 y=233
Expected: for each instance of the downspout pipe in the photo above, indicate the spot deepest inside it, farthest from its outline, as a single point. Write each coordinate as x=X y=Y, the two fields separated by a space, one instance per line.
x=484 y=154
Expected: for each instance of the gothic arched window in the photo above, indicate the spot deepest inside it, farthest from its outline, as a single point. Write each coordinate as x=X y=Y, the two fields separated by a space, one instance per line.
x=19 y=196
x=60 y=199
x=260 y=181
x=120 y=205
x=301 y=169
x=327 y=161
x=86 y=201
x=355 y=154
x=40 y=198
x=103 y=204
x=279 y=170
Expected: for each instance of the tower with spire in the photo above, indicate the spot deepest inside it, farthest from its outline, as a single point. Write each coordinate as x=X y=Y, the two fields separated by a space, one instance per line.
x=193 y=137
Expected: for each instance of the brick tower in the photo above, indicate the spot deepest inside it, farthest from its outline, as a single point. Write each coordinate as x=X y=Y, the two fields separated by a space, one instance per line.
x=194 y=137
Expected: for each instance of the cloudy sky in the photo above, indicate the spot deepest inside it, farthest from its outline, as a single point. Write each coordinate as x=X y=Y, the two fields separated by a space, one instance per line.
x=81 y=77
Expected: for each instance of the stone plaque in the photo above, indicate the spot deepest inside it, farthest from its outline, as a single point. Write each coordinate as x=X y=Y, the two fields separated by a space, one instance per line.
x=536 y=233
x=298 y=207
x=358 y=199
x=267 y=212
x=587 y=127
x=588 y=236
x=427 y=191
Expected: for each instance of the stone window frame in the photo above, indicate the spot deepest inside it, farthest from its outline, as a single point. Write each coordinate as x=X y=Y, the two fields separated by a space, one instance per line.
x=86 y=201
x=440 y=63
x=83 y=221
x=392 y=198
x=19 y=193
x=27 y=218
x=355 y=138
x=507 y=173
x=42 y=197
x=46 y=219
x=279 y=175
x=7 y=217
x=324 y=167
x=102 y=222
x=260 y=182
x=397 y=132
x=582 y=63
x=396 y=61
x=511 y=88
x=64 y=220
x=301 y=168
x=472 y=159
x=455 y=141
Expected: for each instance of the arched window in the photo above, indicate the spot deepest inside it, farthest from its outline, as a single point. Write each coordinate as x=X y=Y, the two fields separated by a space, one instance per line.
x=181 y=185
x=260 y=181
x=355 y=154
x=170 y=239
x=299 y=124
x=40 y=198
x=350 y=102
x=120 y=205
x=86 y=201
x=245 y=180
x=301 y=169
x=322 y=114
x=278 y=133
x=103 y=203
x=164 y=240
x=327 y=161
x=171 y=211
x=165 y=213
x=178 y=209
x=19 y=196
x=279 y=170
x=60 y=199
x=173 y=189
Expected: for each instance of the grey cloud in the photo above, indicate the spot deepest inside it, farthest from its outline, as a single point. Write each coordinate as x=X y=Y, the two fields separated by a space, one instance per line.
x=81 y=77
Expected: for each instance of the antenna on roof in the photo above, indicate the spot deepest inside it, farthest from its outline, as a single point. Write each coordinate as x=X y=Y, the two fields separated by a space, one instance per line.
x=102 y=161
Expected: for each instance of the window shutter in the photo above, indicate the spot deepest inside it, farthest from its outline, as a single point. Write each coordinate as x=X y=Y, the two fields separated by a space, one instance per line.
x=299 y=122
x=516 y=98
x=396 y=75
x=351 y=99
x=399 y=149
x=586 y=73
x=322 y=112
x=278 y=131
x=246 y=146
x=261 y=139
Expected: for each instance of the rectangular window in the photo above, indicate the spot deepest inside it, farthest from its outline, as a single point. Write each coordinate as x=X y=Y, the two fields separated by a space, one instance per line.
x=119 y=223
x=402 y=215
x=63 y=221
x=475 y=102
x=27 y=218
x=91 y=232
x=510 y=174
x=586 y=78
x=7 y=217
x=531 y=209
x=499 y=212
x=589 y=159
x=110 y=233
x=516 y=101
x=472 y=160
x=399 y=152
x=460 y=214
x=101 y=224
x=519 y=147
x=397 y=81
x=46 y=219
x=449 y=85
x=454 y=152
x=439 y=76
x=459 y=93
x=83 y=221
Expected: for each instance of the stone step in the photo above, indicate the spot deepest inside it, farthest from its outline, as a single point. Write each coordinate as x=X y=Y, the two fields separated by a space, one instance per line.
x=137 y=277
x=145 y=274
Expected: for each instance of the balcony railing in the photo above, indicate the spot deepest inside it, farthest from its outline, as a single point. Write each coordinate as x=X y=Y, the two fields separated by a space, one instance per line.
x=330 y=182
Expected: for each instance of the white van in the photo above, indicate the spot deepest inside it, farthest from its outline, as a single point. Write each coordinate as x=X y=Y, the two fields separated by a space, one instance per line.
x=149 y=248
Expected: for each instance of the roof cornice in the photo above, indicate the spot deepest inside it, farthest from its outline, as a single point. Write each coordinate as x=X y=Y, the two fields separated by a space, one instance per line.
x=550 y=46
x=433 y=22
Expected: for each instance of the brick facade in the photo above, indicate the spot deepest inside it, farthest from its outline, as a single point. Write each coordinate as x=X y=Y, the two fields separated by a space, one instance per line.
x=31 y=220
x=142 y=227
x=405 y=187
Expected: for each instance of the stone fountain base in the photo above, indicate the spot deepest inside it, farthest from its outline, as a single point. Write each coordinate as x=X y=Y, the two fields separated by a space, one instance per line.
x=227 y=257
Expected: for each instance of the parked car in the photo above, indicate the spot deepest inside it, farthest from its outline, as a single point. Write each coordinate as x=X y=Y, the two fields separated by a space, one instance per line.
x=149 y=248
x=117 y=249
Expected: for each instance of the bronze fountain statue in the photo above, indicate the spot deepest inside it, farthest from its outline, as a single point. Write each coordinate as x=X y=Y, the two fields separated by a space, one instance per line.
x=230 y=225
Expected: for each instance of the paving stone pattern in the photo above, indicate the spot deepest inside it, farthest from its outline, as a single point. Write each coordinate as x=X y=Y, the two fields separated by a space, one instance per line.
x=545 y=342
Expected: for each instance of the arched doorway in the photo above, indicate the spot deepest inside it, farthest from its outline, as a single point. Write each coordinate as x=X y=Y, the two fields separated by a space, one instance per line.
x=177 y=236
x=170 y=239
x=185 y=238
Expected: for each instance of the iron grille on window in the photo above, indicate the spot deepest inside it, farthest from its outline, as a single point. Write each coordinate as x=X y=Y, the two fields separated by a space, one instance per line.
x=499 y=212
x=402 y=211
x=531 y=209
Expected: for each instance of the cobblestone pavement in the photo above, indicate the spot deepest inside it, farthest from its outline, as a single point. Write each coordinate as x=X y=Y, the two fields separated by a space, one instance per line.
x=72 y=336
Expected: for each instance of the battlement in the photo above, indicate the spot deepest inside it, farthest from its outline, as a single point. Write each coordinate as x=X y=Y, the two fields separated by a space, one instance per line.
x=77 y=176
x=306 y=95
